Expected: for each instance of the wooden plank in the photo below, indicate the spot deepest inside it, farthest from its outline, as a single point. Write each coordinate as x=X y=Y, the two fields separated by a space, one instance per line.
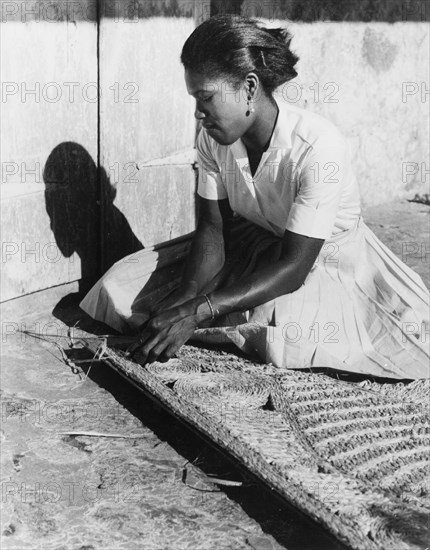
x=146 y=112
x=48 y=112
x=147 y=125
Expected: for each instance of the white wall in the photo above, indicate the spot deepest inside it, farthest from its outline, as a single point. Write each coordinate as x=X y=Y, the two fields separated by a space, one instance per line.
x=372 y=81
x=356 y=74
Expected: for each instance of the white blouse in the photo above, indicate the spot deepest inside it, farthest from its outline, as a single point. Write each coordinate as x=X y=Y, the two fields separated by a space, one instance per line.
x=304 y=182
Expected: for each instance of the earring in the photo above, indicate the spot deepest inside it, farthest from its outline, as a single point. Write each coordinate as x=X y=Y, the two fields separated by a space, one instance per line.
x=250 y=110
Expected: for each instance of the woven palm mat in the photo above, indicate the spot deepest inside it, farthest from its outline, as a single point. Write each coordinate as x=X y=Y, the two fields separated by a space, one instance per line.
x=355 y=457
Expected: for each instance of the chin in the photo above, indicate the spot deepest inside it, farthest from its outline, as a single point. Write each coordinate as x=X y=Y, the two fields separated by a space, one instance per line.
x=224 y=140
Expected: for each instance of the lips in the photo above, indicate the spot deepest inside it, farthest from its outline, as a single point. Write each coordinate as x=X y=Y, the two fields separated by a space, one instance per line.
x=208 y=126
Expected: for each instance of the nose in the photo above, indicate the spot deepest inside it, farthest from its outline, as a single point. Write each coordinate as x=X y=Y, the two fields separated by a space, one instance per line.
x=198 y=113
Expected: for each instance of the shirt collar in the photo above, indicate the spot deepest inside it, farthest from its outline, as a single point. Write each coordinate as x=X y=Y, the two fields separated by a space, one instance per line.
x=281 y=136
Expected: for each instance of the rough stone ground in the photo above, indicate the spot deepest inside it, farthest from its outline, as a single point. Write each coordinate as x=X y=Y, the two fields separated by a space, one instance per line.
x=68 y=492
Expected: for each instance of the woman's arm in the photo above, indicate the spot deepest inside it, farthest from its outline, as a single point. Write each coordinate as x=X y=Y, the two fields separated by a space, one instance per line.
x=206 y=256
x=167 y=332
x=282 y=277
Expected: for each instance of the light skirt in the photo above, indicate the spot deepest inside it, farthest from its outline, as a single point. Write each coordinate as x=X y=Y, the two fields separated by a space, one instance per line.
x=361 y=309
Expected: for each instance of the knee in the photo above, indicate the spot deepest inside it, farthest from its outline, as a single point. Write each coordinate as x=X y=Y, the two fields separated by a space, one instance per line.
x=108 y=285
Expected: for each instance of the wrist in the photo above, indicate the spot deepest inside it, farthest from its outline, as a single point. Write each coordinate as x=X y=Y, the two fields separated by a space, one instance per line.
x=203 y=309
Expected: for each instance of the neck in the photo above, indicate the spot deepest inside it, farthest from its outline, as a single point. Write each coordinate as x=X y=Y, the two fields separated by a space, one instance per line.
x=259 y=134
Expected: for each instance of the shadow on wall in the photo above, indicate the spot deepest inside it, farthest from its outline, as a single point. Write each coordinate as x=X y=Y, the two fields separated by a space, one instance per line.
x=79 y=201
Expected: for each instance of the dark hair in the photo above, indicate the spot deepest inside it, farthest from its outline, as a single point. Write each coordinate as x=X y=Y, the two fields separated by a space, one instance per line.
x=231 y=46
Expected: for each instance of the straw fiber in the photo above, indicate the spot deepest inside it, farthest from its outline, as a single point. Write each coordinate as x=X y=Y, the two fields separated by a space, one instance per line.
x=353 y=456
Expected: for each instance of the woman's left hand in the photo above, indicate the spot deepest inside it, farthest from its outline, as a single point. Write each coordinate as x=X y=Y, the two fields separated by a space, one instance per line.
x=166 y=332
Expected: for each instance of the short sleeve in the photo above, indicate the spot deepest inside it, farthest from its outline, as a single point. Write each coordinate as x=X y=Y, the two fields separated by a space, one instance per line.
x=321 y=180
x=210 y=183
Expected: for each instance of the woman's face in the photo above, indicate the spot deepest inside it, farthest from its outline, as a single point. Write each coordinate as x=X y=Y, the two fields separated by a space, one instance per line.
x=220 y=108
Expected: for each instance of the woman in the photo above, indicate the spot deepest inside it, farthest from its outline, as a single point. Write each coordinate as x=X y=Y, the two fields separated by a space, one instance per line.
x=281 y=262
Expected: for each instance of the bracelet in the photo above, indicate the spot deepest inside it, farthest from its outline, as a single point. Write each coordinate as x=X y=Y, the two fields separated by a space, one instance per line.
x=210 y=306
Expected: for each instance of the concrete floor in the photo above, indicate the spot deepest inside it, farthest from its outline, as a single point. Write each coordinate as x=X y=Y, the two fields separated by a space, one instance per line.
x=145 y=491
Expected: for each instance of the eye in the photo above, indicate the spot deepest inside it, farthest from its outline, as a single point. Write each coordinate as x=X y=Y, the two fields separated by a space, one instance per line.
x=206 y=99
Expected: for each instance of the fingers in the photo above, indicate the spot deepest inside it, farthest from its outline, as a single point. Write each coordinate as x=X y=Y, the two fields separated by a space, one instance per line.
x=155 y=350
x=169 y=352
x=162 y=337
x=143 y=345
x=131 y=350
x=150 y=344
x=150 y=329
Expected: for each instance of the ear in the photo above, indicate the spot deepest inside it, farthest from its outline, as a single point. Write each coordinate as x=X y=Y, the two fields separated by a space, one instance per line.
x=252 y=84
